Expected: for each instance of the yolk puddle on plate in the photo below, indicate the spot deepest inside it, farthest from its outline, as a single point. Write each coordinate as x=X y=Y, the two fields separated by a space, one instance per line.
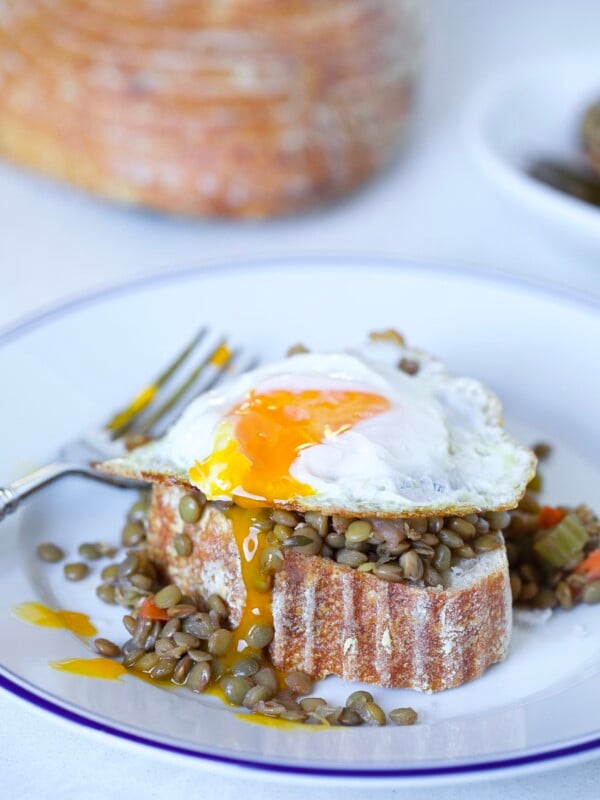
x=103 y=668
x=260 y=439
x=38 y=614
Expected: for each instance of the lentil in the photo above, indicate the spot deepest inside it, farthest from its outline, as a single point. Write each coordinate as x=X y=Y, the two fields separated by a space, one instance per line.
x=403 y=716
x=349 y=717
x=282 y=517
x=142 y=582
x=358 y=531
x=319 y=522
x=435 y=524
x=168 y=596
x=359 y=698
x=260 y=636
x=183 y=669
x=282 y=532
x=298 y=682
x=542 y=450
x=106 y=593
x=133 y=534
x=76 y=571
x=487 y=542
x=305 y=540
x=498 y=520
x=186 y=640
x=190 y=507
x=183 y=545
x=199 y=676
x=217 y=604
x=392 y=572
x=466 y=551
x=267 y=677
x=465 y=529
x=129 y=623
x=335 y=540
x=146 y=662
x=409 y=366
x=164 y=669
x=200 y=625
x=246 y=667
x=411 y=564
x=442 y=558
x=450 y=539
x=107 y=648
x=199 y=655
x=371 y=714
x=181 y=611
x=110 y=573
x=50 y=553
x=350 y=558
x=310 y=704
x=257 y=694
x=235 y=688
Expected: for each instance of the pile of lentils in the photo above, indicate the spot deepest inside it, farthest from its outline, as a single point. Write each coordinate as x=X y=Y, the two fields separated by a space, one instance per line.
x=419 y=551
x=188 y=647
x=536 y=584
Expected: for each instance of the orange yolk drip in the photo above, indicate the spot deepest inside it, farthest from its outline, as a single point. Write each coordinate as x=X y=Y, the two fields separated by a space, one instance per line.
x=257 y=607
x=259 y=440
x=102 y=668
x=38 y=614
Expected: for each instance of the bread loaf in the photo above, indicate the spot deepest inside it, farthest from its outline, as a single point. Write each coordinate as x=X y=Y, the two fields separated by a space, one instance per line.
x=240 y=108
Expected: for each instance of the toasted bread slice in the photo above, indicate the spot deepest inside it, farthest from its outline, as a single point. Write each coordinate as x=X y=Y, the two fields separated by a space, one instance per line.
x=332 y=620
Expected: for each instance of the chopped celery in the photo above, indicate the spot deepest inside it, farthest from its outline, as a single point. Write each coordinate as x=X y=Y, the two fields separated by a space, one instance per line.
x=560 y=544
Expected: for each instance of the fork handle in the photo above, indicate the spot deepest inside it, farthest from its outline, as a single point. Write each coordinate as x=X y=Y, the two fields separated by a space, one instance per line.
x=12 y=495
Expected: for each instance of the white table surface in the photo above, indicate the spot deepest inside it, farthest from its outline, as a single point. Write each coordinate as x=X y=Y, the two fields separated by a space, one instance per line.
x=435 y=202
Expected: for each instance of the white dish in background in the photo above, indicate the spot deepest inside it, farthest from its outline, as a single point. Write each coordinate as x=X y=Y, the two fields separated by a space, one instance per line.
x=66 y=369
x=534 y=110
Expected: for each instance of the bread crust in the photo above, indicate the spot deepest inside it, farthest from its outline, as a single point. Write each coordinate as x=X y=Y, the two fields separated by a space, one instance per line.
x=332 y=620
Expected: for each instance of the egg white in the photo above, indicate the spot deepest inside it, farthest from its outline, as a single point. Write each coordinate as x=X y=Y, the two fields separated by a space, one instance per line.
x=439 y=449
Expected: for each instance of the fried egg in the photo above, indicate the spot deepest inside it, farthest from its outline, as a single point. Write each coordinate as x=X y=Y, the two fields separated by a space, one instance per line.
x=345 y=433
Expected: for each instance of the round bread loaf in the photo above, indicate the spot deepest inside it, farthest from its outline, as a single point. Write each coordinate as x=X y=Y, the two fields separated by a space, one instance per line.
x=240 y=108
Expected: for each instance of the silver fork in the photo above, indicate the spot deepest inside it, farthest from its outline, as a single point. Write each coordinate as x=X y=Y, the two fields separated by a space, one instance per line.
x=135 y=423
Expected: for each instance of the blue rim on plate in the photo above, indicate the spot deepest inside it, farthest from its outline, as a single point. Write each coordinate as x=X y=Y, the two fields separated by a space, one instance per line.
x=9 y=682
x=323 y=772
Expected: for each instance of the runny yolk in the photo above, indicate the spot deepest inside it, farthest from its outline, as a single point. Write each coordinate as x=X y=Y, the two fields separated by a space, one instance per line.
x=38 y=614
x=260 y=439
x=246 y=524
x=102 y=668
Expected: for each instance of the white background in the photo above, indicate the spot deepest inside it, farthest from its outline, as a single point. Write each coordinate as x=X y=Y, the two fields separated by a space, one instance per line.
x=435 y=202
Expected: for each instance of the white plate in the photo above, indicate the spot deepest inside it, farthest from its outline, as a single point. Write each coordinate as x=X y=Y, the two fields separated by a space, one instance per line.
x=67 y=368
x=534 y=110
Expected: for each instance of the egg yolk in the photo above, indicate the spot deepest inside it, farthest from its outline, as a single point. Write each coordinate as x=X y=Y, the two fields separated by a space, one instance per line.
x=260 y=438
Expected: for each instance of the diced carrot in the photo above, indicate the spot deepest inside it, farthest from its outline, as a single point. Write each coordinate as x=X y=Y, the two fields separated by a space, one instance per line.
x=590 y=566
x=150 y=610
x=550 y=516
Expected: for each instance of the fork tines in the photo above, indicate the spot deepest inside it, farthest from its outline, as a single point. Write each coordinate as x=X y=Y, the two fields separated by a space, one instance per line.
x=214 y=364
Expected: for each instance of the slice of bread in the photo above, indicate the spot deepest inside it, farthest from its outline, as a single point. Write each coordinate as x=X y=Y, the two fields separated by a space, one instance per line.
x=332 y=620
